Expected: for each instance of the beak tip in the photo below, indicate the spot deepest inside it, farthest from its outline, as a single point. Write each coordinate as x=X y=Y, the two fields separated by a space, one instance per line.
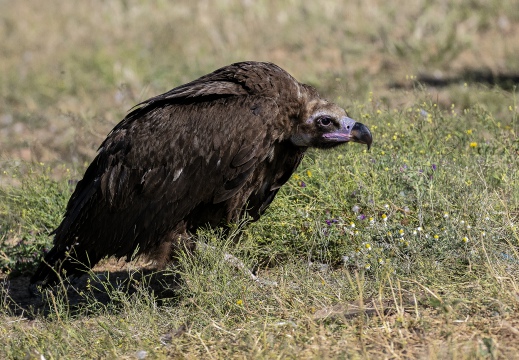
x=362 y=134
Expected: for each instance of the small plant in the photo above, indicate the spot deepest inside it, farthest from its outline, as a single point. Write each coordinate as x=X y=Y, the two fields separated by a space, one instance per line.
x=28 y=214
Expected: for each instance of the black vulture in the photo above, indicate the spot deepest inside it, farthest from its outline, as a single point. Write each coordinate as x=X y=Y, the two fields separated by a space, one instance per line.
x=202 y=154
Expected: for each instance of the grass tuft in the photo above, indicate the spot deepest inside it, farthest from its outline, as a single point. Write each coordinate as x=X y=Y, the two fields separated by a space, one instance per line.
x=29 y=211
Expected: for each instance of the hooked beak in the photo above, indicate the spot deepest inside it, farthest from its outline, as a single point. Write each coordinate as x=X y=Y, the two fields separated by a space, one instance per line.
x=351 y=131
x=361 y=134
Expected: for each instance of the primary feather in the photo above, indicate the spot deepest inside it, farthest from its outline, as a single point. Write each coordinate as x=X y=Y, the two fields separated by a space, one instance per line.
x=201 y=154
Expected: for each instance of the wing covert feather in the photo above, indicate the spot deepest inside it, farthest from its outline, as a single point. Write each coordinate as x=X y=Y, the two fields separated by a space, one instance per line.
x=176 y=157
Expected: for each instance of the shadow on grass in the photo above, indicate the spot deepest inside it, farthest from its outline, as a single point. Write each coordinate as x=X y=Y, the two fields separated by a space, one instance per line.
x=88 y=294
x=506 y=81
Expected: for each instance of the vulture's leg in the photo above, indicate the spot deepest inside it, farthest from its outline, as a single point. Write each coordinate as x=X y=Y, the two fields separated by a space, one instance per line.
x=170 y=246
x=237 y=263
x=177 y=241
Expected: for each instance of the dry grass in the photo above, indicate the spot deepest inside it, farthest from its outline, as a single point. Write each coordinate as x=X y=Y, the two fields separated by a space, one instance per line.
x=69 y=71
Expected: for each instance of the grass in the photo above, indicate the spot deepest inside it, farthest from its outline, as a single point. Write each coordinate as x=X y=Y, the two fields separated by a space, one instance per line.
x=409 y=250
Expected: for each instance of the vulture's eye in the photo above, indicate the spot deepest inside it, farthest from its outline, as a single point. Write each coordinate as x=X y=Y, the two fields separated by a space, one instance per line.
x=324 y=121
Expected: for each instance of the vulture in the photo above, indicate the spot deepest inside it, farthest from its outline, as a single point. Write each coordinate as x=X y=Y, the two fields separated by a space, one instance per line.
x=203 y=154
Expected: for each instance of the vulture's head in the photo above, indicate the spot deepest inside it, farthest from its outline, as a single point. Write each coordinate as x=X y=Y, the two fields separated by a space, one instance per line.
x=325 y=125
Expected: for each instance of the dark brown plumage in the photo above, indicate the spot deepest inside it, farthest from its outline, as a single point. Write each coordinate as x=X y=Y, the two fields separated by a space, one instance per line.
x=201 y=154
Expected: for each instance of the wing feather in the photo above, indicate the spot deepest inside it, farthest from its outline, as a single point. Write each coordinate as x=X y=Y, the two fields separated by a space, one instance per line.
x=151 y=186
x=194 y=155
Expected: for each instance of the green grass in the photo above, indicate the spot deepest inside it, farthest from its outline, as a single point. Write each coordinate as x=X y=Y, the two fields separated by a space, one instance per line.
x=440 y=270
x=28 y=213
x=409 y=250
